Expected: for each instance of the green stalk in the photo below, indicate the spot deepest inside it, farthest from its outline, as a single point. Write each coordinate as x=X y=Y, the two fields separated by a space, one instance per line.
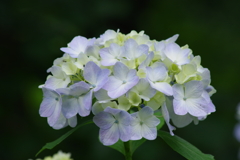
x=128 y=153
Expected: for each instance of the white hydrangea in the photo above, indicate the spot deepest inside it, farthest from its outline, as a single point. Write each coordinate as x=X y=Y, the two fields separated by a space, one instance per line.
x=126 y=77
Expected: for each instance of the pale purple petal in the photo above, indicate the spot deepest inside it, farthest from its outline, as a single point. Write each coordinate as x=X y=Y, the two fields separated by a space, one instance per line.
x=113 y=111
x=71 y=52
x=211 y=107
x=178 y=92
x=60 y=123
x=129 y=48
x=149 y=133
x=124 y=132
x=152 y=121
x=70 y=107
x=104 y=120
x=72 y=121
x=180 y=107
x=158 y=73
x=197 y=107
x=87 y=100
x=54 y=117
x=163 y=87
x=193 y=89
x=166 y=117
x=102 y=79
x=145 y=113
x=91 y=71
x=112 y=83
x=237 y=132
x=132 y=75
x=121 y=90
x=136 y=132
x=124 y=118
x=76 y=46
x=109 y=136
x=79 y=88
x=144 y=90
x=82 y=108
x=120 y=71
x=51 y=101
x=110 y=55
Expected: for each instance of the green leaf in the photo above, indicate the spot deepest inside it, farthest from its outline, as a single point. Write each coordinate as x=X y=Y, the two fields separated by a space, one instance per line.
x=183 y=147
x=136 y=144
x=119 y=146
x=51 y=145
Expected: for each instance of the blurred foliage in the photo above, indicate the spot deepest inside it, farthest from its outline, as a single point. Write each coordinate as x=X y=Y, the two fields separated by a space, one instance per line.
x=33 y=31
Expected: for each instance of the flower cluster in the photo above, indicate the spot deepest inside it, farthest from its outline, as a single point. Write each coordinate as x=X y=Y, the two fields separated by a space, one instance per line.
x=124 y=80
x=58 y=156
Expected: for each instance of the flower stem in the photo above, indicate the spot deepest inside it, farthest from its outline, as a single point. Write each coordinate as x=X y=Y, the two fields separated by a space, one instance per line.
x=128 y=153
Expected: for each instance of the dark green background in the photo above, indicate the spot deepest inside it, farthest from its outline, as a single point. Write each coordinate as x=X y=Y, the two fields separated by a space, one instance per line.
x=33 y=31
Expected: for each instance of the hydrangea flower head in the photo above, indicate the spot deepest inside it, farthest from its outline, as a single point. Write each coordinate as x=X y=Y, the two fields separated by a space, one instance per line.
x=123 y=79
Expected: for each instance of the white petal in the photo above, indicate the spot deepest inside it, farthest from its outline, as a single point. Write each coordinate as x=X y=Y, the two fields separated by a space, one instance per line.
x=152 y=121
x=136 y=132
x=55 y=83
x=145 y=113
x=102 y=96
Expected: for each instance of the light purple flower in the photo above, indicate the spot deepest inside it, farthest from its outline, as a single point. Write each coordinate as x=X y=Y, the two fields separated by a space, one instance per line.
x=122 y=80
x=51 y=105
x=96 y=76
x=111 y=55
x=144 y=124
x=157 y=76
x=64 y=122
x=77 y=99
x=131 y=50
x=58 y=80
x=78 y=45
x=144 y=90
x=114 y=124
x=190 y=98
x=177 y=55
